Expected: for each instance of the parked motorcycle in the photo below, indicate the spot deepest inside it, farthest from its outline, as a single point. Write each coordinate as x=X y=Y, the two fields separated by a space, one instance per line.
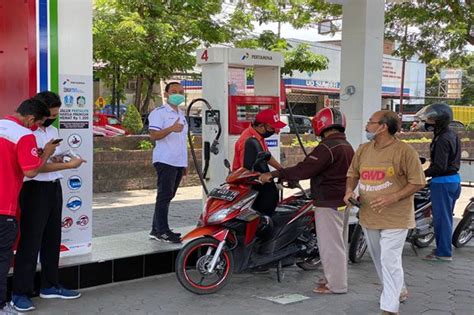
x=465 y=229
x=421 y=236
x=232 y=237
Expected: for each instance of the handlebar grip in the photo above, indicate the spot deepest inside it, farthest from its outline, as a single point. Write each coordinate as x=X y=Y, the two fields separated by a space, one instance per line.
x=355 y=202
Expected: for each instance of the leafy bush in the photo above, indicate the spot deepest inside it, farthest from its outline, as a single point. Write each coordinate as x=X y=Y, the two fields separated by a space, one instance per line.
x=145 y=145
x=470 y=126
x=132 y=122
x=421 y=140
x=306 y=144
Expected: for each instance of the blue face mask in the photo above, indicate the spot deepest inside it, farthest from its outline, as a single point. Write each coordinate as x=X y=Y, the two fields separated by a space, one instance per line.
x=371 y=135
x=175 y=99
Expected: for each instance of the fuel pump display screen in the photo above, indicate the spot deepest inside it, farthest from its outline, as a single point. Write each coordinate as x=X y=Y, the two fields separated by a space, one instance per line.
x=247 y=113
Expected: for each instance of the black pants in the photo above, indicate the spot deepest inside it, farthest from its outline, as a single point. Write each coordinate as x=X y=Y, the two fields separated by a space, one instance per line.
x=168 y=181
x=40 y=232
x=8 y=232
x=267 y=198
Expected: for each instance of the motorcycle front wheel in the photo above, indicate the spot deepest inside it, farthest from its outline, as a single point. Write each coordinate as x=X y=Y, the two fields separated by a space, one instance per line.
x=424 y=241
x=463 y=232
x=193 y=262
x=358 y=245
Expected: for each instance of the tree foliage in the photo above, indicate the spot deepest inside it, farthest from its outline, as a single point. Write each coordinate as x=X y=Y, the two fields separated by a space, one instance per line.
x=150 y=40
x=433 y=79
x=436 y=27
x=132 y=121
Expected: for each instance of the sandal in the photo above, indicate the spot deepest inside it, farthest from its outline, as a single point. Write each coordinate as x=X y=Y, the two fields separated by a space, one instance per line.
x=322 y=281
x=432 y=257
x=323 y=289
x=403 y=295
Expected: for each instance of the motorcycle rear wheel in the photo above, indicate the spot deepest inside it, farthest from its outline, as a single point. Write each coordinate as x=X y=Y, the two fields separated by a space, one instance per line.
x=463 y=232
x=193 y=262
x=358 y=245
x=314 y=260
x=310 y=263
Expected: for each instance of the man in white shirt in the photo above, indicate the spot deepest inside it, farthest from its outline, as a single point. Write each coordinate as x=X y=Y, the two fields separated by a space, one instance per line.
x=168 y=128
x=41 y=202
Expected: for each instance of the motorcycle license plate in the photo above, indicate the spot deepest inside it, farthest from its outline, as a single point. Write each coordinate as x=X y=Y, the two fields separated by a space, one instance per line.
x=223 y=194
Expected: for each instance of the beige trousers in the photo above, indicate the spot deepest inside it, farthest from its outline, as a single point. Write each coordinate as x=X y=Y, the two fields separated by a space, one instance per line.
x=332 y=233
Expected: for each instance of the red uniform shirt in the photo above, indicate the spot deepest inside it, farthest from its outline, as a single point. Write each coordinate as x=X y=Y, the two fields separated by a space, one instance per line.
x=240 y=146
x=18 y=153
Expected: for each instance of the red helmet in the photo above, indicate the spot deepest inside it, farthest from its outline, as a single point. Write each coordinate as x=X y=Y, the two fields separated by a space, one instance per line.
x=328 y=118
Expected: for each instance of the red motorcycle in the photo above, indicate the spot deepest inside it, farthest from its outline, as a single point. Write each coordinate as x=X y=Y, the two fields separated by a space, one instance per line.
x=232 y=237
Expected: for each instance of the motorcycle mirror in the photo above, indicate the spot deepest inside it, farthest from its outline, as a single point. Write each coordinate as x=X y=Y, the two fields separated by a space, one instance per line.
x=227 y=165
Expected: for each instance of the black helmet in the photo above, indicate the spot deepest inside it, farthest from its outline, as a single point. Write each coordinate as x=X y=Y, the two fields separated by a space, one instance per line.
x=441 y=113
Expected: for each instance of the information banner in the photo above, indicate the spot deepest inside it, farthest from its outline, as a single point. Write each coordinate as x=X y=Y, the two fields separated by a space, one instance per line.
x=75 y=127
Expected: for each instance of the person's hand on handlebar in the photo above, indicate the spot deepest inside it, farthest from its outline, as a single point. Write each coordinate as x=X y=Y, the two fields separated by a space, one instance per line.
x=293 y=184
x=265 y=177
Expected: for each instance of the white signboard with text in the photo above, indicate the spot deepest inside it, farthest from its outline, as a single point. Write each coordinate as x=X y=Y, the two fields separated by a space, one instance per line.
x=75 y=127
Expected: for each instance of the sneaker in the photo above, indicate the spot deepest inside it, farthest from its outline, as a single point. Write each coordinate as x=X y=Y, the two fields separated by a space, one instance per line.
x=59 y=293
x=8 y=310
x=153 y=236
x=177 y=234
x=169 y=237
x=22 y=303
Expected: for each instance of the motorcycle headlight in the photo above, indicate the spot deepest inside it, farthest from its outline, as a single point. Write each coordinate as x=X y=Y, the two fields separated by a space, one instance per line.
x=219 y=215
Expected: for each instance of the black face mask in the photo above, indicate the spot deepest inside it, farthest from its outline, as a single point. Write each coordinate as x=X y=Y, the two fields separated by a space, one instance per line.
x=267 y=133
x=429 y=127
x=48 y=122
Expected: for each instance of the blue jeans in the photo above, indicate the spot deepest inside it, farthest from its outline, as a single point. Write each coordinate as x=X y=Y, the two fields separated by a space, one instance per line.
x=168 y=181
x=443 y=198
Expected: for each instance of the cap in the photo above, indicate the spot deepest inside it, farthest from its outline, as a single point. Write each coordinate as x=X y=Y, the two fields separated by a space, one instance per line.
x=268 y=116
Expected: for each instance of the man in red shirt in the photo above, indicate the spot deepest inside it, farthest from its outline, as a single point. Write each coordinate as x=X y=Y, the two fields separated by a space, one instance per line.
x=20 y=158
x=250 y=143
x=266 y=123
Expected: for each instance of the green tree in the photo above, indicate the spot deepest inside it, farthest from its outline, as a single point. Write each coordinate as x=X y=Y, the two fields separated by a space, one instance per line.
x=132 y=121
x=150 y=40
x=436 y=27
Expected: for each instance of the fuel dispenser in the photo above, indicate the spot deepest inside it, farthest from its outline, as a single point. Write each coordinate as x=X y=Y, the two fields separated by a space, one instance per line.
x=234 y=105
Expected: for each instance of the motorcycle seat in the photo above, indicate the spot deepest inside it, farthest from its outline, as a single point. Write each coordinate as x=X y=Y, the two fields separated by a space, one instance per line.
x=285 y=209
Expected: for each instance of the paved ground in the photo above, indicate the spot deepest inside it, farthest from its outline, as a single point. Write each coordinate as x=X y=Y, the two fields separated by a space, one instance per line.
x=435 y=288
x=132 y=211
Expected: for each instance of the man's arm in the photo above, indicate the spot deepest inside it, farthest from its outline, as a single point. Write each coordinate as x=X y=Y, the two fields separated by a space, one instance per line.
x=383 y=201
x=48 y=150
x=53 y=167
x=275 y=164
x=439 y=164
x=351 y=184
x=160 y=134
x=311 y=166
